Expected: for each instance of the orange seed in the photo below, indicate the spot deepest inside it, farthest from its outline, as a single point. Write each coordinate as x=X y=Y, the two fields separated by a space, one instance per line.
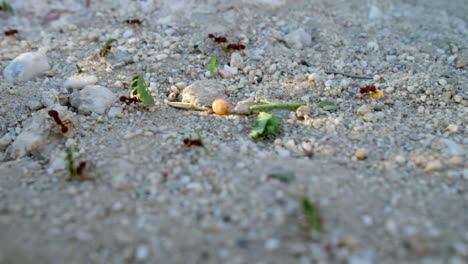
x=220 y=106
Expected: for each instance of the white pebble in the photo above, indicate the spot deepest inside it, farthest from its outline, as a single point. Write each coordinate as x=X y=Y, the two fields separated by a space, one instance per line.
x=26 y=66
x=79 y=81
x=360 y=154
x=93 y=98
x=434 y=165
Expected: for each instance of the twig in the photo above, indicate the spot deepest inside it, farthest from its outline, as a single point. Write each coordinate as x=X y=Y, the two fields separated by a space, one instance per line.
x=186 y=106
x=351 y=75
x=275 y=105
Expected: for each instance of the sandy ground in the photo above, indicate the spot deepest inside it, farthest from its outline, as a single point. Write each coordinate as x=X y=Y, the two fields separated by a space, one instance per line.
x=156 y=200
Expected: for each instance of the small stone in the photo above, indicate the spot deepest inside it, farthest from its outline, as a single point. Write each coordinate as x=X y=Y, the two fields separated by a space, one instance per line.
x=203 y=93
x=115 y=112
x=360 y=154
x=79 y=81
x=452 y=128
x=236 y=60
x=314 y=77
x=93 y=98
x=303 y=111
x=5 y=141
x=49 y=98
x=462 y=60
x=458 y=99
x=456 y=161
x=26 y=66
x=373 y=117
x=364 y=109
x=298 y=39
x=34 y=104
x=141 y=252
x=374 y=13
x=271 y=244
x=433 y=166
x=228 y=72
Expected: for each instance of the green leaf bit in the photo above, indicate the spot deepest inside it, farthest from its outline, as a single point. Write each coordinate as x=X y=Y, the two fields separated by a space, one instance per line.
x=312 y=213
x=140 y=90
x=282 y=175
x=106 y=47
x=70 y=162
x=212 y=64
x=328 y=105
x=266 y=124
x=6 y=7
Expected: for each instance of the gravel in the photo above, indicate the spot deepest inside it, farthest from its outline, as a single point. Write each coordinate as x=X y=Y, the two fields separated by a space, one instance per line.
x=388 y=174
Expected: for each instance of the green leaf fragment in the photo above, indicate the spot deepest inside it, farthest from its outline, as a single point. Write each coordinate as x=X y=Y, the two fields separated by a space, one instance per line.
x=212 y=64
x=312 y=213
x=266 y=124
x=106 y=47
x=141 y=91
x=70 y=162
x=282 y=175
x=328 y=105
x=6 y=7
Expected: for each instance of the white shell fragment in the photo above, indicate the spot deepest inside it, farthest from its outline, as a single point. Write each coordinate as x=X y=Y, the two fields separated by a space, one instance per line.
x=26 y=66
x=79 y=81
x=92 y=98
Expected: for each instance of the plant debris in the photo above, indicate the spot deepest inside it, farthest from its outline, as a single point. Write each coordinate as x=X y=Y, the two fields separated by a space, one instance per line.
x=350 y=75
x=282 y=175
x=140 y=90
x=312 y=213
x=187 y=106
x=6 y=7
x=55 y=115
x=76 y=172
x=266 y=124
x=328 y=105
x=106 y=47
x=269 y=105
x=212 y=64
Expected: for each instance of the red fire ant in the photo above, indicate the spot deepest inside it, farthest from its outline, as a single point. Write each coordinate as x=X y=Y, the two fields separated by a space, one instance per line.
x=55 y=115
x=10 y=32
x=368 y=89
x=133 y=21
x=235 y=47
x=217 y=39
x=128 y=100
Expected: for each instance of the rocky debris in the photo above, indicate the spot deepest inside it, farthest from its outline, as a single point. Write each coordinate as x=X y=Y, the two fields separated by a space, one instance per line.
x=303 y=111
x=228 y=72
x=203 y=93
x=115 y=112
x=360 y=154
x=92 y=98
x=298 y=39
x=41 y=131
x=243 y=107
x=457 y=161
x=363 y=110
x=26 y=66
x=434 y=165
x=237 y=61
x=50 y=98
x=34 y=104
x=374 y=13
x=79 y=81
x=5 y=141
x=462 y=60
x=118 y=58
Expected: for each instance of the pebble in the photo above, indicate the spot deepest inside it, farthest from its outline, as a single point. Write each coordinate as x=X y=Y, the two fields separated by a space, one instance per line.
x=271 y=244
x=303 y=111
x=203 y=93
x=115 y=112
x=141 y=252
x=5 y=141
x=364 y=109
x=458 y=99
x=236 y=60
x=49 y=98
x=360 y=154
x=34 y=104
x=462 y=60
x=43 y=131
x=298 y=39
x=374 y=13
x=79 y=81
x=457 y=161
x=92 y=98
x=228 y=72
x=434 y=165
x=26 y=66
